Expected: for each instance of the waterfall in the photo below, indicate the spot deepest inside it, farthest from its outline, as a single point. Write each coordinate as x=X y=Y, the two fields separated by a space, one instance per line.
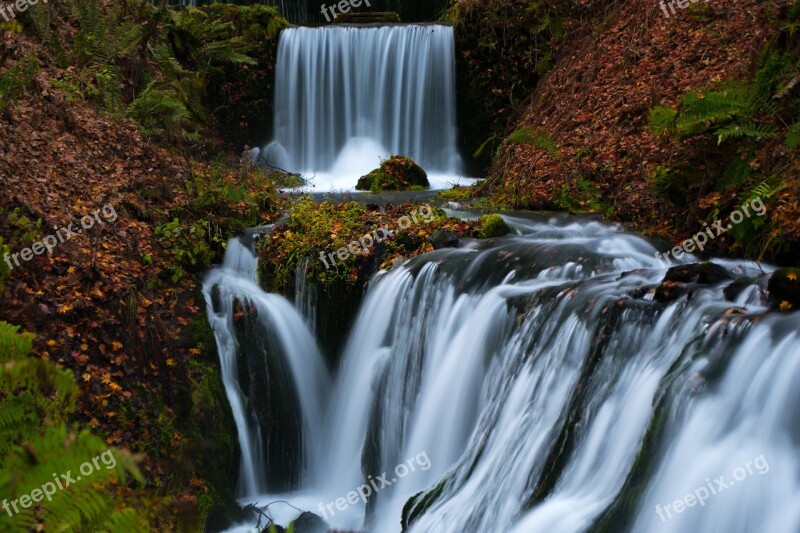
x=347 y=96
x=548 y=390
x=231 y=291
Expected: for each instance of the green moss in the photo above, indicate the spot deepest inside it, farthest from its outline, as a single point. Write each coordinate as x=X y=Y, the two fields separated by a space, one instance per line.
x=397 y=173
x=492 y=225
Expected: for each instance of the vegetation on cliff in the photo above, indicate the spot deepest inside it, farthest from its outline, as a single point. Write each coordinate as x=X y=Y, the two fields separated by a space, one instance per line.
x=125 y=105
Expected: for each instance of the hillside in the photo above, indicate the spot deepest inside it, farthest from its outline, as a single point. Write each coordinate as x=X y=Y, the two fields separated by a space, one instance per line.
x=586 y=138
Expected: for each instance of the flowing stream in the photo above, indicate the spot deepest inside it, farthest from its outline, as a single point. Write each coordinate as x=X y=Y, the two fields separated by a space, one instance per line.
x=527 y=383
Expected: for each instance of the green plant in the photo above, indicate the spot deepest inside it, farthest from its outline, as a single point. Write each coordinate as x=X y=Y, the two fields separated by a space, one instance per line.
x=193 y=245
x=586 y=198
x=22 y=229
x=17 y=80
x=534 y=137
x=37 y=397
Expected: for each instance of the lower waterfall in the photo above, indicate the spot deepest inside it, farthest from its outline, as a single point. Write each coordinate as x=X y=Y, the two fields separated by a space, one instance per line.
x=526 y=383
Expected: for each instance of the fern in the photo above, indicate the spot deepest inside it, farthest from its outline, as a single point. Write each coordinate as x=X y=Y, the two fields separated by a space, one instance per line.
x=662 y=119
x=792 y=139
x=534 y=137
x=750 y=129
x=36 y=399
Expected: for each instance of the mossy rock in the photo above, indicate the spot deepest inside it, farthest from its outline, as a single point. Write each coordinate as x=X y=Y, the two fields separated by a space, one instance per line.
x=492 y=226
x=784 y=288
x=398 y=173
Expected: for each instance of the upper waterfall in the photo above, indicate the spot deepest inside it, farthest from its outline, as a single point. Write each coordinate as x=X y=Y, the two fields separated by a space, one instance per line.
x=347 y=96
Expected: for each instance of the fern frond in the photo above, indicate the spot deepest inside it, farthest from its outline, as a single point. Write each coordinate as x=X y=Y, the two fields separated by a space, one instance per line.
x=750 y=129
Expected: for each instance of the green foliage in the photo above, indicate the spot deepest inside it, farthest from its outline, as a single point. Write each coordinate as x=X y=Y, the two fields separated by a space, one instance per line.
x=104 y=42
x=191 y=244
x=582 y=197
x=730 y=113
x=792 y=139
x=662 y=119
x=37 y=398
x=504 y=47
x=219 y=206
x=165 y=68
x=660 y=179
x=534 y=137
x=165 y=110
x=17 y=80
x=315 y=228
x=22 y=229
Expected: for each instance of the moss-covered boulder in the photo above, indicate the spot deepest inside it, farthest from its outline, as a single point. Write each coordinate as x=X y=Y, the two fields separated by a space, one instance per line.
x=784 y=289
x=398 y=173
x=492 y=226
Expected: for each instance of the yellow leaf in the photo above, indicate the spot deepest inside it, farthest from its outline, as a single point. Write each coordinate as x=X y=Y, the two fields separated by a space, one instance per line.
x=86 y=376
x=116 y=345
x=64 y=309
x=71 y=270
x=792 y=276
x=785 y=306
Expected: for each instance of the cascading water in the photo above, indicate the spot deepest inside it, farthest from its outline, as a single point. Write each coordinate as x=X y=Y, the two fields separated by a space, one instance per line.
x=231 y=291
x=548 y=391
x=347 y=96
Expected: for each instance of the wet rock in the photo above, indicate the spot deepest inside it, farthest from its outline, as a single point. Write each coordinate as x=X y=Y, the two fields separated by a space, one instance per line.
x=733 y=290
x=707 y=273
x=680 y=280
x=310 y=523
x=784 y=289
x=216 y=299
x=444 y=238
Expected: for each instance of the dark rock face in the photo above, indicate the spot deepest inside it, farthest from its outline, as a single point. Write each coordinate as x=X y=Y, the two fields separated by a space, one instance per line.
x=444 y=238
x=680 y=280
x=784 y=288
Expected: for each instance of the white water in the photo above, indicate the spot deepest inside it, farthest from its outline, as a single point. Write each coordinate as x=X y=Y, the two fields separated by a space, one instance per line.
x=441 y=361
x=235 y=281
x=347 y=97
